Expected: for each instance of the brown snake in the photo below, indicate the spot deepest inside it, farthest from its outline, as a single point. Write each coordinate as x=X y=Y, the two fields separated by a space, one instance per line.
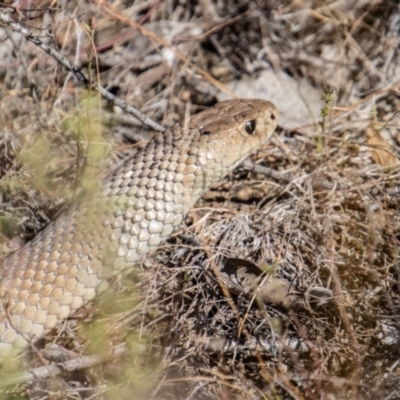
x=135 y=210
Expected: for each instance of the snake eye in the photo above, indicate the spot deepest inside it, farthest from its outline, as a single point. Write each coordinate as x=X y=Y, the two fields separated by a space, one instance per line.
x=251 y=127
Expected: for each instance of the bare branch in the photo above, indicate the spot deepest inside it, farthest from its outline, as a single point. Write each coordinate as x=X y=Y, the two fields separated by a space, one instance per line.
x=16 y=27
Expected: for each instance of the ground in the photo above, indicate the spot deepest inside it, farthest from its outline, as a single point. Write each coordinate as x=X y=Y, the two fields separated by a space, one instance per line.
x=283 y=281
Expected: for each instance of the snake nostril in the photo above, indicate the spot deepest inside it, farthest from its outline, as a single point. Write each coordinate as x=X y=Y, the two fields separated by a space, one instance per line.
x=273 y=117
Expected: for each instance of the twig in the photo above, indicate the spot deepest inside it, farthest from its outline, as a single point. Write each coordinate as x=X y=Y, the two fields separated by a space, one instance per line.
x=7 y=20
x=317 y=183
x=67 y=366
x=215 y=345
x=272 y=173
x=110 y=10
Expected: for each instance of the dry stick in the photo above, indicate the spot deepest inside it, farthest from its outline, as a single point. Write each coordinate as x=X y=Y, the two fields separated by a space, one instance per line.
x=319 y=183
x=128 y=34
x=6 y=19
x=215 y=29
x=119 y=16
x=213 y=345
x=67 y=366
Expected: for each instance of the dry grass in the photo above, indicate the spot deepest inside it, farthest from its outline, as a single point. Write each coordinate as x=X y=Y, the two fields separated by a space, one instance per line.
x=281 y=284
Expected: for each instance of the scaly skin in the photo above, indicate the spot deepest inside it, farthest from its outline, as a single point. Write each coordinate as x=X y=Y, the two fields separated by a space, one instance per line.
x=135 y=210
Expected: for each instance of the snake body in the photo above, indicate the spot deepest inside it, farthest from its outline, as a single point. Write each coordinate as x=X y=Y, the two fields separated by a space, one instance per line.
x=134 y=211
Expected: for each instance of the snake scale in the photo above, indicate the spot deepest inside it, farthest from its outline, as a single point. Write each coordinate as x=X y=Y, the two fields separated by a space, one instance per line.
x=135 y=210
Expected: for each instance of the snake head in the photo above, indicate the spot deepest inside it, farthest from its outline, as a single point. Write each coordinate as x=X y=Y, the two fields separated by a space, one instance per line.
x=232 y=129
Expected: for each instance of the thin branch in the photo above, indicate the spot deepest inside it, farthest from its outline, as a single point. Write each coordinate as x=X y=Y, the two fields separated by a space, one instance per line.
x=16 y=27
x=67 y=366
x=318 y=183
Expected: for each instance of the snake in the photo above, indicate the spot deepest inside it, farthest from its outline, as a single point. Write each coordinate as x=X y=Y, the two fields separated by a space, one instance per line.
x=134 y=210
